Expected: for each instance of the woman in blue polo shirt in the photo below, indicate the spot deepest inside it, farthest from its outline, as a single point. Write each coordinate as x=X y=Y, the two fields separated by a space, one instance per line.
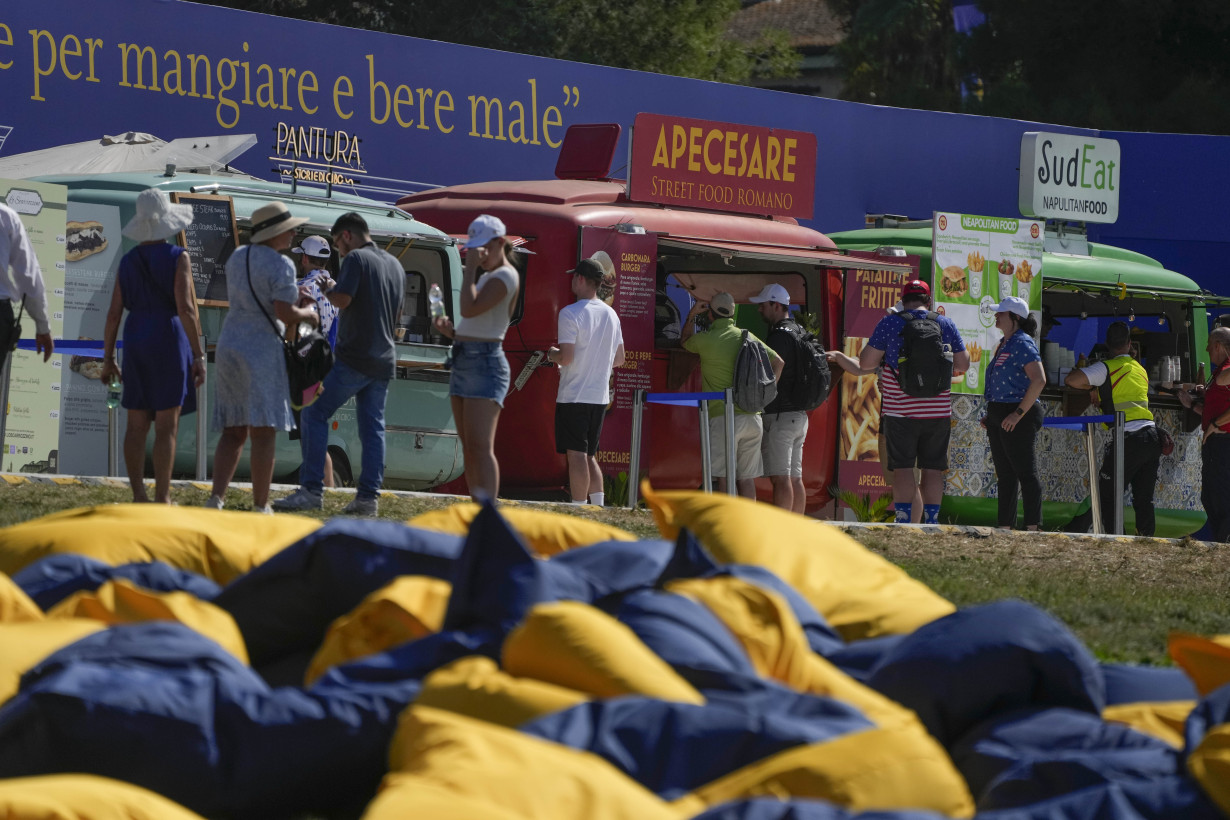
x=1014 y=380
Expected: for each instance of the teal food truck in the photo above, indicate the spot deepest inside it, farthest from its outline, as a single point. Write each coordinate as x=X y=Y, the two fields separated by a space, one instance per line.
x=1084 y=287
x=422 y=446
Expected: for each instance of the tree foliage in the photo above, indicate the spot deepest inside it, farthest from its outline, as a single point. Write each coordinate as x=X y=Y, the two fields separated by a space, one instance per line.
x=1161 y=65
x=900 y=53
x=685 y=38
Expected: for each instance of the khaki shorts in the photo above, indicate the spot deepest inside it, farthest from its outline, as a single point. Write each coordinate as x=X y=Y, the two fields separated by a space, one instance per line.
x=782 y=446
x=748 y=432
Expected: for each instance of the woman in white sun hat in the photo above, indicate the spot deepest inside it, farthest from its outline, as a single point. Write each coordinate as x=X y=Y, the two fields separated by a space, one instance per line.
x=480 y=377
x=163 y=360
x=253 y=394
x=1014 y=380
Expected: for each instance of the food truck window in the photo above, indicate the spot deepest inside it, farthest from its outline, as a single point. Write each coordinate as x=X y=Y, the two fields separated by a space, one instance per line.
x=423 y=266
x=678 y=291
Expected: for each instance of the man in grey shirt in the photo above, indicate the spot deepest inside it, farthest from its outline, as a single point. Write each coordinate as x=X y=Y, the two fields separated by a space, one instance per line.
x=369 y=292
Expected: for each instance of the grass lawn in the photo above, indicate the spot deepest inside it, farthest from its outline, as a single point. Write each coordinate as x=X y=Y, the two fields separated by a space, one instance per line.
x=1121 y=597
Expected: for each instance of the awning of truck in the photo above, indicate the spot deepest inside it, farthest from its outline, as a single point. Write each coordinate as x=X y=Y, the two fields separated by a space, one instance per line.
x=779 y=253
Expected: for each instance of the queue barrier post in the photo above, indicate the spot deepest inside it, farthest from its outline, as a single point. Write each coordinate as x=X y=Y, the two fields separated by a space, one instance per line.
x=1088 y=423
x=202 y=413
x=640 y=399
x=4 y=395
x=731 y=476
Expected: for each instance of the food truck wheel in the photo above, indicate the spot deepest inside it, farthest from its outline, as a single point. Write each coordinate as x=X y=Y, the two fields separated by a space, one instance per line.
x=342 y=476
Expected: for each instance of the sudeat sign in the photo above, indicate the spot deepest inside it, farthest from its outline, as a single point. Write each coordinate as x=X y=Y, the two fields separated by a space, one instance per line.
x=1065 y=176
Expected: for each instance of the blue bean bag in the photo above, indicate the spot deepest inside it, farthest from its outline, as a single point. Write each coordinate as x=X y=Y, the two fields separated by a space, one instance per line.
x=1055 y=736
x=683 y=632
x=672 y=748
x=56 y=577
x=284 y=606
x=1169 y=797
x=974 y=664
x=1130 y=683
x=767 y=808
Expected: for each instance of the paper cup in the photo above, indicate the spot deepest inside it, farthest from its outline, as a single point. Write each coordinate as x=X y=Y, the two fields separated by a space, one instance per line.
x=971 y=377
x=1005 y=285
x=1023 y=288
x=975 y=285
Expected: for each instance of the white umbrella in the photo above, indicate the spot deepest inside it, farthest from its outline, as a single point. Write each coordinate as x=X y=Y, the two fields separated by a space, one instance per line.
x=130 y=152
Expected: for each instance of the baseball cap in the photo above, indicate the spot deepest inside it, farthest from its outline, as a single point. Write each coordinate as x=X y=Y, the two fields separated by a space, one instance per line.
x=915 y=287
x=483 y=229
x=772 y=293
x=1013 y=304
x=590 y=269
x=316 y=246
x=723 y=304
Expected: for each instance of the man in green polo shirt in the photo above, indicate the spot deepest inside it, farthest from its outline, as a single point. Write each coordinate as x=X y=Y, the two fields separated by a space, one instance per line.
x=718 y=348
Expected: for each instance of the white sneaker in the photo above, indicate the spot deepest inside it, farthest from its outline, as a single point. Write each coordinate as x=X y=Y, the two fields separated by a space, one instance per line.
x=362 y=506
x=300 y=499
x=266 y=510
x=215 y=502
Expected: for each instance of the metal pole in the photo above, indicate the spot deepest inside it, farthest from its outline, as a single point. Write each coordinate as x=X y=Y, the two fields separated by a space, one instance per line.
x=731 y=478
x=202 y=412
x=1095 y=499
x=634 y=460
x=4 y=396
x=706 y=458
x=1119 y=422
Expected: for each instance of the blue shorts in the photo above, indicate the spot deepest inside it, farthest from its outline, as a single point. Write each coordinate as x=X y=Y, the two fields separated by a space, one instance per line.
x=480 y=371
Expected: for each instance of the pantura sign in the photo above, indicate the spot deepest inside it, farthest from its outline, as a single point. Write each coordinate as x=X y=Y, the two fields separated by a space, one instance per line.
x=314 y=154
x=1069 y=177
x=722 y=166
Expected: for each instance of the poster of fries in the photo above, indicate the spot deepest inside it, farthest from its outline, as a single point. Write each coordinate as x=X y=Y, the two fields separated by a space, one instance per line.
x=869 y=295
x=976 y=262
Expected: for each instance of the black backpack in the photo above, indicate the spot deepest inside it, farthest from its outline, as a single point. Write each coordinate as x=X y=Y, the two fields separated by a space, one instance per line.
x=812 y=380
x=754 y=385
x=924 y=367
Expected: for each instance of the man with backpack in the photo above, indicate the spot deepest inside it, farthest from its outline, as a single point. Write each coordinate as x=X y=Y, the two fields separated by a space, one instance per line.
x=921 y=351
x=718 y=348
x=804 y=381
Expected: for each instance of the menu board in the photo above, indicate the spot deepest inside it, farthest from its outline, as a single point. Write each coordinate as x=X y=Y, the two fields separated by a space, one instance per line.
x=209 y=240
x=979 y=260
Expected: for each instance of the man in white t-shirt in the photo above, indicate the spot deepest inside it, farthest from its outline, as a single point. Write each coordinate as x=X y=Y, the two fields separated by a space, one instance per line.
x=591 y=344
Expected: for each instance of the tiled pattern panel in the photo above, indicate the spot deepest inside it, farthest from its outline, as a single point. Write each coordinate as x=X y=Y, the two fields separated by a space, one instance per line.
x=1062 y=460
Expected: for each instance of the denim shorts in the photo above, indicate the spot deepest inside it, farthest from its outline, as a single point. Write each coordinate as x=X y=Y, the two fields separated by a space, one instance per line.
x=480 y=371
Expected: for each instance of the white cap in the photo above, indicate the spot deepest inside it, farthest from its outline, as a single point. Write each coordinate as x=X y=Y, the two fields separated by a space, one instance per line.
x=483 y=229
x=1013 y=304
x=316 y=246
x=772 y=293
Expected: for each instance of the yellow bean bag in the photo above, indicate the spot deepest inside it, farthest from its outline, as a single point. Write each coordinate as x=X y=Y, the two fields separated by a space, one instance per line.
x=579 y=647
x=84 y=797
x=407 y=795
x=477 y=688
x=546 y=533
x=218 y=544
x=15 y=604
x=859 y=593
x=1209 y=763
x=885 y=768
x=409 y=608
x=764 y=624
x=1206 y=660
x=119 y=601
x=24 y=644
x=522 y=776
x=1163 y=720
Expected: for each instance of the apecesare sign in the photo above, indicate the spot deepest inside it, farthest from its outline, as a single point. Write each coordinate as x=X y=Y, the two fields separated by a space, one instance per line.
x=1066 y=176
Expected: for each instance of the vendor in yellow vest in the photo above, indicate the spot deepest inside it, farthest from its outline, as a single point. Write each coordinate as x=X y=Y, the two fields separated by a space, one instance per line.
x=1123 y=385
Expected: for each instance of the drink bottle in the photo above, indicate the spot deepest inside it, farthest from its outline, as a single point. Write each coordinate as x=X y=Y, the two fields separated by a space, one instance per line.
x=435 y=298
x=114 y=393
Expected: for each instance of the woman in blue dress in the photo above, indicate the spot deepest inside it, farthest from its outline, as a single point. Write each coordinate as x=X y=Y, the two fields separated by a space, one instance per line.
x=253 y=393
x=163 y=360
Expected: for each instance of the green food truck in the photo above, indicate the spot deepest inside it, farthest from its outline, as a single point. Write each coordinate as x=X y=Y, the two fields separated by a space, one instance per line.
x=1084 y=287
x=423 y=450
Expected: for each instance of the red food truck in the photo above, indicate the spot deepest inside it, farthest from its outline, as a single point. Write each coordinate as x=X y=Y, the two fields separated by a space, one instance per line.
x=708 y=207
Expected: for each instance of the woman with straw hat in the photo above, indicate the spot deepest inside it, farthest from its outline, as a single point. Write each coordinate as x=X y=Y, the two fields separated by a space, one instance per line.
x=163 y=360
x=253 y=393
